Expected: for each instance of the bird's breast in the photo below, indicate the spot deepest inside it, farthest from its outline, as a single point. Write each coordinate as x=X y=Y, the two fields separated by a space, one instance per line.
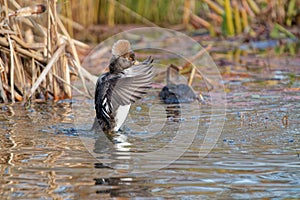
x=121 y=114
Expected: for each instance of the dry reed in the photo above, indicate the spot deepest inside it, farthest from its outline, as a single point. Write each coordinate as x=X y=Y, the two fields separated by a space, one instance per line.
x=34 y=58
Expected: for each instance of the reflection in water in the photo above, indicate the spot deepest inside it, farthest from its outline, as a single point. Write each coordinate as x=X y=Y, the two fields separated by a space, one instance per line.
x=173 y=112
x=119 y=150
x=41 y=155
x=121 y=187
x=109 y=149
x=114 y=150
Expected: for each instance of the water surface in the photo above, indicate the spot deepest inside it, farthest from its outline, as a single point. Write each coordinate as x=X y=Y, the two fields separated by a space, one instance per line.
x=256 y=156
x=47 y=151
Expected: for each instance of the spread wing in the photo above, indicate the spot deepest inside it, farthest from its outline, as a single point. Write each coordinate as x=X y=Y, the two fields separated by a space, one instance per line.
x=113 y=90
x=133 y=83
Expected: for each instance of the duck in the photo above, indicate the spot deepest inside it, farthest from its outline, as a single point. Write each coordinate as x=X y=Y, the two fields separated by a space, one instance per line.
x=126 y=81
x=176 y=93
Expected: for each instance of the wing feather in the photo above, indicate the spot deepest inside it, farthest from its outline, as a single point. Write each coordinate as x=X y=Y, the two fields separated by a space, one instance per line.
x=133 y=83
x=113 y=90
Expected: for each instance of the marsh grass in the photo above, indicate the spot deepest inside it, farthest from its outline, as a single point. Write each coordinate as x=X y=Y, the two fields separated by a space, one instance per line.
x=90 y=12
x=37 y=55
x=225 y=17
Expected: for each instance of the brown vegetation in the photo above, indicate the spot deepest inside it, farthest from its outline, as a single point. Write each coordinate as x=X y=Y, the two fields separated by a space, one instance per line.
x=37 y=56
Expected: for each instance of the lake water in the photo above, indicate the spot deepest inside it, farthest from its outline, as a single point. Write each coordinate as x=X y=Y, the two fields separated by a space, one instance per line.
x=47 y=154
x=245 y=146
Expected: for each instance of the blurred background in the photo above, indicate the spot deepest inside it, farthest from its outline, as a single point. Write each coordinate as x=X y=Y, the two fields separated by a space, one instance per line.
x=46 y=76
x=260 y=19
x=93 y=20
x=241 y=34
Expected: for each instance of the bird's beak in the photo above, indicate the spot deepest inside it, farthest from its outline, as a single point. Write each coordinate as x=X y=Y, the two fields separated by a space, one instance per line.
x=136 y=62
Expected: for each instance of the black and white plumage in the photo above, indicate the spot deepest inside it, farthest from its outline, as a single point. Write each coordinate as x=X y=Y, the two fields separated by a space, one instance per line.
x=122 y=85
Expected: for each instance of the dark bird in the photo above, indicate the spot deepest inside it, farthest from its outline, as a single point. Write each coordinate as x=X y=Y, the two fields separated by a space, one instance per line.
x=176 y=93
x=126 y=81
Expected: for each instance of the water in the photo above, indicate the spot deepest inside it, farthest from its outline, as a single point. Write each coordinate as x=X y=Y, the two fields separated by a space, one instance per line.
x=47 y=151
x=256 y=156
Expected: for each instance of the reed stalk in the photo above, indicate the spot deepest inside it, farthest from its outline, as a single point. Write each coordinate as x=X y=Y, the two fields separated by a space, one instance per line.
x=245 y=22
x=68 y=12
x=38 y=63
x=291 y=12
x=12 y=68
x=229 y=20
x=237 y=18
x=186 y=13
x=247 y=8
x=111 y=13
x=2 y=92
x=52 y=61
x=215 y=18
x=215 y=7
x=254 y=6
x=200 y=21
x=220 y=2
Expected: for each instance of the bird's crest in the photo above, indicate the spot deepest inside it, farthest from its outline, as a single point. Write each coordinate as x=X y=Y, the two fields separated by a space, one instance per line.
x=121 y=47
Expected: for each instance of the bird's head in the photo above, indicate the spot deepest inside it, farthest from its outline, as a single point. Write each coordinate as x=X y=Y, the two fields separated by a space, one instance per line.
x=122 y=56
